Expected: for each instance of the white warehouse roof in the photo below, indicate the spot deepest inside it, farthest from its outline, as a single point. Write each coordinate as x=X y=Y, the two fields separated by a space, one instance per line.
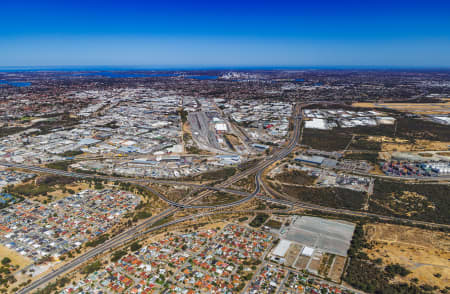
x=316 y=123
x=281 y=248
x=221 y=127
x=308 y=251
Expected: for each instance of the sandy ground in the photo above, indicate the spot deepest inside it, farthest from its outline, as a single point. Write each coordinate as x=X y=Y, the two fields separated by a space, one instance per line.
x=16 y=258
x=419 y=108
x=58 y=194
x=233 y=139
x=293 y=252
x=315 y=262
x=425 y=253
x=337 y=268
x=186 y=130
x=394 y=144
x=37 y=272
x=363 y=104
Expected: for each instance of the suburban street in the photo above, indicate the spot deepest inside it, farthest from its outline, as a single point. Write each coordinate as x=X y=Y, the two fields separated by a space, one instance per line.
x=146 y=226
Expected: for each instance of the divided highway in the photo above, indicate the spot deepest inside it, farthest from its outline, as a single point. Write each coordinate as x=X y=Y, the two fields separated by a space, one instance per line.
x=139 y=229
x=146 y=226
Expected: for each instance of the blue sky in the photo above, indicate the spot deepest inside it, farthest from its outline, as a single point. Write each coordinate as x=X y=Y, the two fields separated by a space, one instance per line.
x=225 y=33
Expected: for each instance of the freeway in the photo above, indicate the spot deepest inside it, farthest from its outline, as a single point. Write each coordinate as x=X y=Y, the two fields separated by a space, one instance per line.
x=145 y=226
x=122 y=239
x=287 y=200
x=142 y=228
x=137 y=182
x=258 y=168
x=117 y=240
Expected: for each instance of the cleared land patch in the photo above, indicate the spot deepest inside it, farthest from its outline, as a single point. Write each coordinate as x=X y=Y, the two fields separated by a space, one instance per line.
x=332 y=197
x=419 y=108
x=428 y=202
x=295 y=177
x=16 y=258
x=423 y=252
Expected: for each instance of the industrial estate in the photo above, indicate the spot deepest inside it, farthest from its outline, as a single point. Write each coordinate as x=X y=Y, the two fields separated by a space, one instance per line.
x=218 y=181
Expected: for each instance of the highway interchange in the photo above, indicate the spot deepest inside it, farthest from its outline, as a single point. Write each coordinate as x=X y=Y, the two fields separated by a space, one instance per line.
x=146 y=226
x=135 y=231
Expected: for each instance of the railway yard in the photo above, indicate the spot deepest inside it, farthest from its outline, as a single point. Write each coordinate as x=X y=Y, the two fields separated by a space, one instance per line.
x=154 y=188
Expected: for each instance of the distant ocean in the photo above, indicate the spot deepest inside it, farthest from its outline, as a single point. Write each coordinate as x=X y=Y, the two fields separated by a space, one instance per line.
x=15 y=84
x=124 y=75
x=138 y=75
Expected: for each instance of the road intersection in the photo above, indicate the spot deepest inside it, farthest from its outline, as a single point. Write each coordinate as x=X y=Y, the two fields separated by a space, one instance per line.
x=148 y=225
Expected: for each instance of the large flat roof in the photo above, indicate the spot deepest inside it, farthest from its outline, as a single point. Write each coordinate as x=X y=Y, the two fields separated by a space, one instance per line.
x=312 y=158
x=327 y=235
x=282 y=248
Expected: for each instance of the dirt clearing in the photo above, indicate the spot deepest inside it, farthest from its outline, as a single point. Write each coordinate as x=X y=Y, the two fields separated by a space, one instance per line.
x=425 y=253
x=16 y=258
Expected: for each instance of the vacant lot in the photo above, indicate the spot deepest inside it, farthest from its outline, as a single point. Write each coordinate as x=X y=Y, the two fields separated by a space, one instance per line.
x=273 y=224
x=293 y=252
x=75 y=187
x=413 y=130
x=409 y=129
x=259 y=219
x=394 y=144
x=16 y=258
x=220 y=198
x=214 y=175
x=326 y=264
x=425 y=253
x=417 y=129
x=301 y=262
x=331 y=197
x=368 y=156
x=337 y=268
x=419 y=108
x=45 y=187
x=295 y=177
x=234 y=141
x=246 y=184
x=427 y=202
x=365 y=143
x=333 y=140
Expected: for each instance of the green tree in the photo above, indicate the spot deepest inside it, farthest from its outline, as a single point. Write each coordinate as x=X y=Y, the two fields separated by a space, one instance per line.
x=6 y=260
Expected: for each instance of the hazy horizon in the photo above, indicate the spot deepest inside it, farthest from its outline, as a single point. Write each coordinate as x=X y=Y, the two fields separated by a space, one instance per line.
x=214 y=68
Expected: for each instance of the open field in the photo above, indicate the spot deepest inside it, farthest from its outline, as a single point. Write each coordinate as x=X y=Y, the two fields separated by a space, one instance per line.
x=389 y=144
x=295 y=177
x=330 y=140
x=16 y=258
x=407 y=134
x=220 y=198
x=60 y=193
x=330 y=196
x=187 y=134
x=428 y=202
x=425 y=253
x=326 y=263
x=337 y=268
x=315 y=262
x=245 y=184
x=419 y=108
x=411 y=129
x=273 y=224
x=301 y=262
x=293 y=252
x=234 y=140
